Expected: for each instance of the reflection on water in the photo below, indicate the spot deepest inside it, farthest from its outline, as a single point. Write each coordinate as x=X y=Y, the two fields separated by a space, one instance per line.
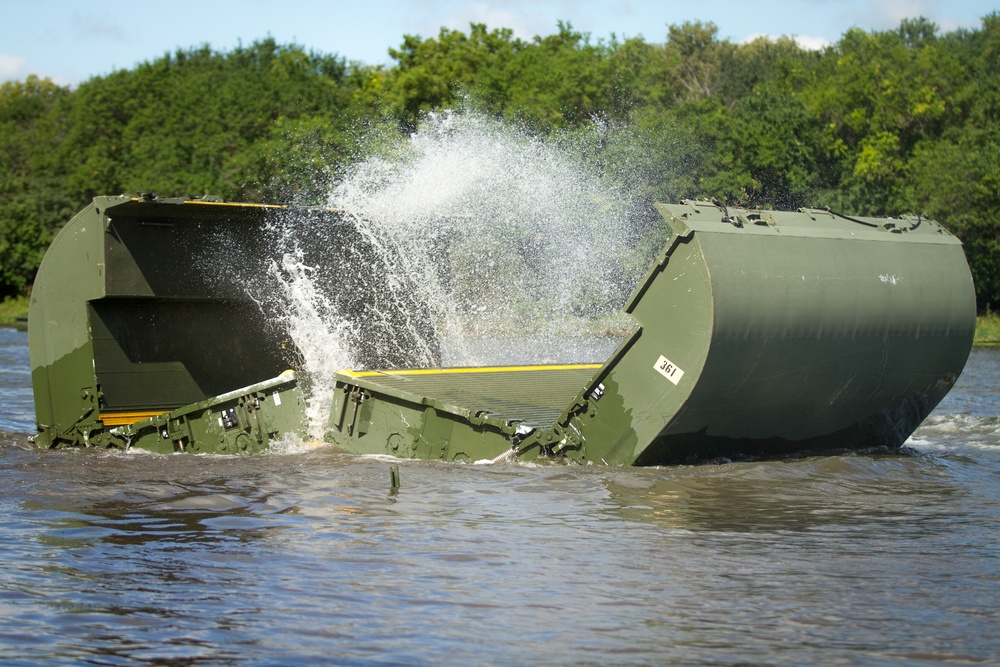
x=309 y=557
x=302 y=557
x=818 y=493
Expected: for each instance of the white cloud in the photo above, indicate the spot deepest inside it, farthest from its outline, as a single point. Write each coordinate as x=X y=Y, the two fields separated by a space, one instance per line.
x=12 y=67
x=804 y=41
x=811 y=43
x=18 y=68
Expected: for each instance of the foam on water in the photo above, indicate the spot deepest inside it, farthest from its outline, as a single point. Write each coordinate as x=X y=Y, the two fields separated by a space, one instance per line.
x=947 y=432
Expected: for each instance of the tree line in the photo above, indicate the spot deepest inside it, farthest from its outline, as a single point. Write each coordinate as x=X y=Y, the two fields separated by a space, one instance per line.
x=902 y=121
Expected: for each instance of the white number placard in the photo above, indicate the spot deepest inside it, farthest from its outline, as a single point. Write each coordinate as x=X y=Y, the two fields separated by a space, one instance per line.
x=668 y=369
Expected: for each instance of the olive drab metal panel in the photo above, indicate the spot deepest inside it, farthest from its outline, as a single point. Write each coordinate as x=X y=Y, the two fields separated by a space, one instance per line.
x=755 y=332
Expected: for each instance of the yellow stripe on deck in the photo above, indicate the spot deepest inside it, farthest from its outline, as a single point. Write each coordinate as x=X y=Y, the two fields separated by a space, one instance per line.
x=123 y=418
x=483 y=369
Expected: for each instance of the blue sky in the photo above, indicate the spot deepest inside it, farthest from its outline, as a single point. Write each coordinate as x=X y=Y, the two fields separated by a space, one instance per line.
x=72 y=41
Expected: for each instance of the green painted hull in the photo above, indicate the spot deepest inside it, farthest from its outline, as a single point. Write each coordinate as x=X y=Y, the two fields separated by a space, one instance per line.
x=756 y=332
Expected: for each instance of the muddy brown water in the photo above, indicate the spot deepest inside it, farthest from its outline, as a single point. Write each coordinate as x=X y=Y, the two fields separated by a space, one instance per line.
x=308 y=557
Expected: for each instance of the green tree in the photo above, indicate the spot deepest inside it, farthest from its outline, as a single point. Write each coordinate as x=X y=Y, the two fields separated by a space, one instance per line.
x=431 y=73
x=957 y=181
x=877 y=95
x=886 y=122
x=557 y=81
x=188 y=123
x=697 y=59
x=32 y=202
x=956 y=175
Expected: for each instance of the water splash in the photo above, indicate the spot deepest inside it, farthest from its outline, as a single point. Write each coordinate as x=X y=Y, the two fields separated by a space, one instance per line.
x=470 y=242
x=505 y=232
x=319 y=331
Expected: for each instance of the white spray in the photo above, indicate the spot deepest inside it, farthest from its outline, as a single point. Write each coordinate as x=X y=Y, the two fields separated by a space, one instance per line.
x=480 y=234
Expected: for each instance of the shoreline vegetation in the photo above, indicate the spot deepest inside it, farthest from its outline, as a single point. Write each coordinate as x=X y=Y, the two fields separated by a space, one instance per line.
x=14 y=312
x=987 y=329
x=12 y=309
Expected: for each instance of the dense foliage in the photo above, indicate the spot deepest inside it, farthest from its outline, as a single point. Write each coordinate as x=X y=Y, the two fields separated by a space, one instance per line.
x=893 y=122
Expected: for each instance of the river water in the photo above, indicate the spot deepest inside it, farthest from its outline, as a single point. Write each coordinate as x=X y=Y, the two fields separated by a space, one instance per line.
x=309 y=558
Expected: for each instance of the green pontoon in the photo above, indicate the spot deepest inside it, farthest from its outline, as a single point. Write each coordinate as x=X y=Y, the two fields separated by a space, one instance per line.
x=754 y=332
